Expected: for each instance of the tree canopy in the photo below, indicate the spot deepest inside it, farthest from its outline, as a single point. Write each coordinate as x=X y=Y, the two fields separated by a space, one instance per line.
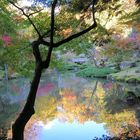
x=48 y=24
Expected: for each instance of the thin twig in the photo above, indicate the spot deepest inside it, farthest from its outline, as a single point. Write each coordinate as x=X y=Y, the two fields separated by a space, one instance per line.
x=35 y=12
x=27 y=16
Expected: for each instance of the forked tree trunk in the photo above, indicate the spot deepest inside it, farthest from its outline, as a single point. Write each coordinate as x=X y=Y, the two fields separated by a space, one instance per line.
x=28 y=110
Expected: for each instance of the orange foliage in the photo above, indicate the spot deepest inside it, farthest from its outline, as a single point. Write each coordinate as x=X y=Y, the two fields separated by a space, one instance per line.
x=18 y=18
x=137 y=27
x=124 y=44
x=66 y=32
x=69 y=94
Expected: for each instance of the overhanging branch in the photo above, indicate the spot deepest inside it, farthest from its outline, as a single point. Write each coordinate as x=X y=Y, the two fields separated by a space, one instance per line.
x=35 y=12
x=75 y=35
x=81 y=32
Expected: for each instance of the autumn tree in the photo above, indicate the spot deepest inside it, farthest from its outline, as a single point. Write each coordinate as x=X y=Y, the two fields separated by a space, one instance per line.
x=43 y=38
x=12 y=43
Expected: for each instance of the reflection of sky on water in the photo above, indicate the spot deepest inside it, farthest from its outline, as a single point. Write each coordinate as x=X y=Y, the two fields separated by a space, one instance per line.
x=57 y=130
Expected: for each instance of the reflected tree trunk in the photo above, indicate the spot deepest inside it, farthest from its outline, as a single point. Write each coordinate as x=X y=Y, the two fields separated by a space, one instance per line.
x=93 y=92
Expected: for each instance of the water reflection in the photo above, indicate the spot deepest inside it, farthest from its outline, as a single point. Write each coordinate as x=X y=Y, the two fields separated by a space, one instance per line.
x=70 y=107
x=65 y=130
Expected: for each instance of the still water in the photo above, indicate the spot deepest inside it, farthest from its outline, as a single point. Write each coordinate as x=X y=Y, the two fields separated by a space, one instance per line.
x=72 y=108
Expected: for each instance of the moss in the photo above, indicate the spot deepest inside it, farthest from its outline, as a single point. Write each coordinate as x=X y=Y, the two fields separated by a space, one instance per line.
x=95 y=72
x=130 y=75
x=68 y=66
x=85 y=65
x=130 y=80
x=137 y=79
x=73 y=66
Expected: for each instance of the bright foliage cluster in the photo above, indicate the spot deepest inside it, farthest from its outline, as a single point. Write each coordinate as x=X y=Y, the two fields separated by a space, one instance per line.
x=7 y=40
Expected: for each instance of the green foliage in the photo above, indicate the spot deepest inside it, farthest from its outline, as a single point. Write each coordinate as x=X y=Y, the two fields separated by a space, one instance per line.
x=62 y=65
x=116 y=54
x=69 y=20
x=2 y=73
x=42 y=21
x=17 y=55
x=130 y=75
x=6 y=22
x=46 y=108
x=68 y=66
x=95 y=72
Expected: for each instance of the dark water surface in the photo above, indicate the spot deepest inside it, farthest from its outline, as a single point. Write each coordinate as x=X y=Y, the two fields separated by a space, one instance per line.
x=72 y=108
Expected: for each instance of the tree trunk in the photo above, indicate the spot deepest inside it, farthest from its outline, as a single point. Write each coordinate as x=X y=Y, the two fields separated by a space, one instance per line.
x=28 y=110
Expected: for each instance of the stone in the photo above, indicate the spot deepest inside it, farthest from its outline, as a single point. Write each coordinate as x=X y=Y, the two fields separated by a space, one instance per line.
x=127 y=64
x=131 y=80
x=137 y=71
x=79 y=60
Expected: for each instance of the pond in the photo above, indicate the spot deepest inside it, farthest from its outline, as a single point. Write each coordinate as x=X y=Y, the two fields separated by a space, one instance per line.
x=72 y=108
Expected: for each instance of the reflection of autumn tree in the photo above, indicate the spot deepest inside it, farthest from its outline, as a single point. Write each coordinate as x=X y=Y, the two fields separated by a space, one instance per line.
x=75 y=107
x=120 y=123
x=135 y=133
x=116 y=122
x=114 y=97
x=46 y=108
x=96 y=101
x=6 y=109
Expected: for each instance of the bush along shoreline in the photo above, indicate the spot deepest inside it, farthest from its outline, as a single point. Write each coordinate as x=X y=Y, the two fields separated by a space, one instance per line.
x=129 y=75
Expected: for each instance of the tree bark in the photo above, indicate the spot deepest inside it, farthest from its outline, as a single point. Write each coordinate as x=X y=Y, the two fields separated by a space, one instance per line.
x=28 y=110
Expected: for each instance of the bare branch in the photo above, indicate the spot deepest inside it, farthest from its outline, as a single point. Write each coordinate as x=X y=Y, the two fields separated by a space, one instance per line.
x=35 y=12
x=75 y=35
x=47 y=61
x=93 y=10
x=52 y=21
x=43 y=42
